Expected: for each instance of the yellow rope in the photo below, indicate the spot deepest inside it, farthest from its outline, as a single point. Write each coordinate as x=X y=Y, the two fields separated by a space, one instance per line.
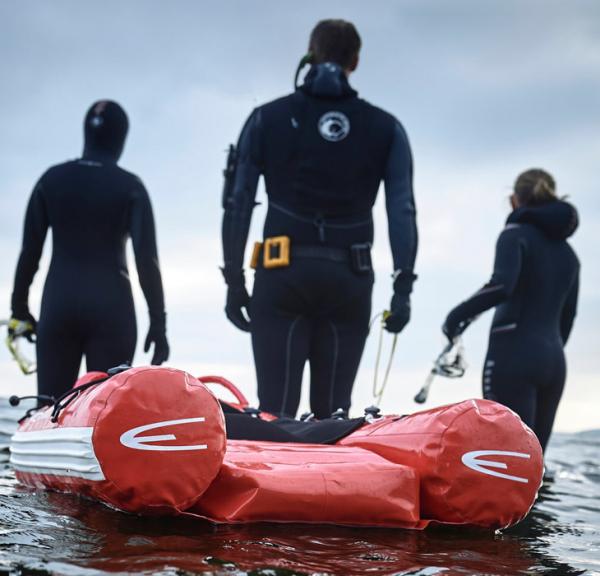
x=378 y=391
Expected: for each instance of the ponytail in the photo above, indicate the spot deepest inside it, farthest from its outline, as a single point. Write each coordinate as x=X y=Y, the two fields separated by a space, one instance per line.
x=535 y=187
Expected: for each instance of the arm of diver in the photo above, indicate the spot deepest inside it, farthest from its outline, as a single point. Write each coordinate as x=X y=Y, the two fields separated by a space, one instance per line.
x=34 y=236
x=400 y=203
x=569 y=311
x=240 y=203
x=504 y=280
x=143 y=237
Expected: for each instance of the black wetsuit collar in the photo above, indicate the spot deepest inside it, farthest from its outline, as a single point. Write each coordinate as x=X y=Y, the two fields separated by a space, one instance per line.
x=102 y=156
x=557 y=220
x=327 y=80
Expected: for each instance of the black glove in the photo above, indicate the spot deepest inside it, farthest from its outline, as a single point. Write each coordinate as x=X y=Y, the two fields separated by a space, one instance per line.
x=399 y=313
x=454 y=327
x=400 y=305
x=237 y=299
x=157 y=334
x=25 y=331
x=449 y=330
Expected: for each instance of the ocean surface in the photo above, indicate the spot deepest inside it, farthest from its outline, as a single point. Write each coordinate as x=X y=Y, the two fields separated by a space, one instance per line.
x=48 y=533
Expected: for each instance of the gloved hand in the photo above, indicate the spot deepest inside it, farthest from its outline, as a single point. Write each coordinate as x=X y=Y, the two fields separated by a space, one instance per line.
x=448 y=330
x=238 y=299
x=22 y=323
x=453 y=326
x=399 y=313
x=400 y=306
x=157 y=334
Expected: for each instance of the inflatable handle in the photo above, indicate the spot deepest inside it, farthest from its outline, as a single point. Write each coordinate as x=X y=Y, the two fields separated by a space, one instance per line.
x=242 y=400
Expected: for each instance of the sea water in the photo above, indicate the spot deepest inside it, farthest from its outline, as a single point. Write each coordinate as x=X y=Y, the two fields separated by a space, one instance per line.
x=48 y=533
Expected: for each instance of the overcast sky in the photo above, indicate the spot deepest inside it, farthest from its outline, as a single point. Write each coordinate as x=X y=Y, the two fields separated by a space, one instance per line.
x=484 y=89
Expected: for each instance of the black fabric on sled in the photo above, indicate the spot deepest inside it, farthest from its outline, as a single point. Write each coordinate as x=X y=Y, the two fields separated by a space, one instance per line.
x=244 y=427
x=241 y=426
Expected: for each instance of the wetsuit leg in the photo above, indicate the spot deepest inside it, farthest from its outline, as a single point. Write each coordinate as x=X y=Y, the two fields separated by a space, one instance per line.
x=111 y=344
x=108 y=323
x=507 y=381
x=59 y=350
x=337 y=344
x=548 y=400
x=280 y=351
x=549 y=393
x=527 y=375
x=324 y=354
x=280 y=341
x=311 y=310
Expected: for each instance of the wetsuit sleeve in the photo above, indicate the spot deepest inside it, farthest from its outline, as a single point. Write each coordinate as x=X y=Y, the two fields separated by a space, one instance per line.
x=569 y=311
x=400 y=204
x=143 y=237
x=507 y=270
x=239 y=206
x=34 y=235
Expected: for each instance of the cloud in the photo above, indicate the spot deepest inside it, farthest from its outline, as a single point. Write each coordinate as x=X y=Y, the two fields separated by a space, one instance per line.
x=485 y=90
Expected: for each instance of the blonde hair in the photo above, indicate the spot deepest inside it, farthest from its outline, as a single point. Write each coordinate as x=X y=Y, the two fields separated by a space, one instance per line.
x=534 y=187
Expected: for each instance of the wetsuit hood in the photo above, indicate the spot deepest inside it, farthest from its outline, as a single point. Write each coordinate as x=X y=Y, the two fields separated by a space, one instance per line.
x=557 y=220
x=327 y=80
x=105 y=129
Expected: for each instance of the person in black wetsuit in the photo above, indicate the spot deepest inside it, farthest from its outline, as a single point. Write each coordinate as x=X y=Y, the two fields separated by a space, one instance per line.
x=322 y=152
x=534 y=288
x=92 y=206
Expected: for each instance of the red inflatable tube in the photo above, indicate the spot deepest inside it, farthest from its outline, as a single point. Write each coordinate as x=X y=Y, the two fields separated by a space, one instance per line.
x=478 y=462
x=268 y=481
x=147 y=440
x=152 y=440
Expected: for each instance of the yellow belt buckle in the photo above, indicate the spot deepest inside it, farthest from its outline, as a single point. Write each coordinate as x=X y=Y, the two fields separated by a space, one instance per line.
x=276 y=252
x=255 y=255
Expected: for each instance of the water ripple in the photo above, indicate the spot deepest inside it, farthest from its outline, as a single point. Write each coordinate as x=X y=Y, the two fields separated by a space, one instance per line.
x=45 y=533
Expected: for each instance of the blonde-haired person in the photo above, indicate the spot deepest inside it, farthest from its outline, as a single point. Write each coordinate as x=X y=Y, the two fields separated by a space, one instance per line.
x=534 y=289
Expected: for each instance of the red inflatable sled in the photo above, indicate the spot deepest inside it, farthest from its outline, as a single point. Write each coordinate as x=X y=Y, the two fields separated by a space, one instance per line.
x=153 y=441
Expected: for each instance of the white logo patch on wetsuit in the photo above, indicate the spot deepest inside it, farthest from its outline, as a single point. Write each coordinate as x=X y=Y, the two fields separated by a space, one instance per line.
x=334 y=126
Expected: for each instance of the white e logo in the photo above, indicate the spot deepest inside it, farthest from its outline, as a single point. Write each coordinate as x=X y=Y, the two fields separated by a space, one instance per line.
x=470 y=460
x=131 y=439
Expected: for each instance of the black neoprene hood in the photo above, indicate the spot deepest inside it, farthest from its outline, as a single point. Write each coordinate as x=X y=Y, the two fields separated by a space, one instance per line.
x=558 y=220
x=105 y=129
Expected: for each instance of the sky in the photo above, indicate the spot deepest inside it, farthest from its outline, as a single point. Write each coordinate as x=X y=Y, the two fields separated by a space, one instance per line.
x=485 y=90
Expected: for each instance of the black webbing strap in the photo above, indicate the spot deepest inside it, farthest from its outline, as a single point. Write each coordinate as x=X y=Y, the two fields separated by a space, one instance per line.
x=241 y=426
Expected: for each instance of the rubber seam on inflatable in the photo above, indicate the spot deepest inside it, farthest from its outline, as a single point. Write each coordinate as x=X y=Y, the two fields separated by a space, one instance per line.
x=62 y=472
x=448 y=427
x=458 y=513
x=376 y=425
x=106 y=401
x=530 y=432
x=108 y=500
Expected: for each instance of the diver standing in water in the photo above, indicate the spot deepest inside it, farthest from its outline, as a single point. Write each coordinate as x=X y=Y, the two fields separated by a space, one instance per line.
x=322 y=152
x=534 y=288
x=92 y=206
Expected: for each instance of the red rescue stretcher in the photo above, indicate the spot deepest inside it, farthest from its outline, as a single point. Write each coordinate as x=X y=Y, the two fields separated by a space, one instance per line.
x=153 y=440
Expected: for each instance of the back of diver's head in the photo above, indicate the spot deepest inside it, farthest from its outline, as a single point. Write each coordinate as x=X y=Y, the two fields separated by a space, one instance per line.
x=534 y=187
x=105 y=129
x=337 y=41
